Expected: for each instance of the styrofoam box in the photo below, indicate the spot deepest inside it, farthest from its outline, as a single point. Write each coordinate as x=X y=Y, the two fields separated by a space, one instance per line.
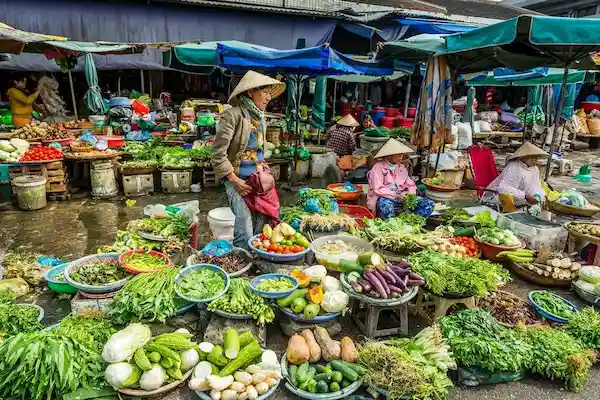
x=534 y=232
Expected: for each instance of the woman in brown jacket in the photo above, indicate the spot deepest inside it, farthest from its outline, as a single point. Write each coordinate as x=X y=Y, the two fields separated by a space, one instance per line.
x=238 y=147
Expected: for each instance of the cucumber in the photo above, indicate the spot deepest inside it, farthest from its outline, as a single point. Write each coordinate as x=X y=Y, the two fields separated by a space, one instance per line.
x=322 y=387
x=349 y=266
x=346 y=371
x=357 y=368
x=293 y=370
x=337 y=376
x=345 y=384
x=246 y=338
x=217 y=357
x=334 y=386
x=312 y=372
x=323 y=377
x=323 y=369
x=231 y=343
x=370 y=258
x=302 y=374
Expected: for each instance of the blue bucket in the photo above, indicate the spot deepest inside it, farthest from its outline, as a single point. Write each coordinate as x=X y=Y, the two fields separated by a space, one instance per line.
x=377 y=115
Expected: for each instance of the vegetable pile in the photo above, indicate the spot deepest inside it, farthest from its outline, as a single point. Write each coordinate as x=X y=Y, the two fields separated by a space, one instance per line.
x=146 y=297
x=447 y=274
x=230 y=263
x=46 y=365
x=173 y=226
x=241 y=300
x=145 y=261
x=317 y=293
x=17 y=318
x=552 y=304
x=98 y=273
x=19 y=264
x=460 y=247
x=585 y=229
x=136 y=359
x=40 y=153
x=589 y=279
x=91 y=330
x=12 y=150
x=585 y=327
x=498 y=236
x=275 y=285
x=228 y=371
x=382 y=281
x=282 y=239
x=202 y=283
x=409 y=368
x=509 y=309
x=318 y=364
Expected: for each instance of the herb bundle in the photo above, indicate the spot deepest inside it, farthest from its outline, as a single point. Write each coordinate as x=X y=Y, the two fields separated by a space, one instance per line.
x=17 y=318
x=92 y=331
x=585 y=327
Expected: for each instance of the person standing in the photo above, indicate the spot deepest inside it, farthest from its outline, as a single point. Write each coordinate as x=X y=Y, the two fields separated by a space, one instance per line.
x=21 y=104
x=238 y=148
x=342 y=139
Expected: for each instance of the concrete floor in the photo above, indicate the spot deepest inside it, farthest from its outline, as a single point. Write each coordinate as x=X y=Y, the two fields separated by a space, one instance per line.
x=76 y=228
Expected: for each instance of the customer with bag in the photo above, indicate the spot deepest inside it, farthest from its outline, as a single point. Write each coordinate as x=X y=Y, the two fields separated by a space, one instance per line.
x=238 y=156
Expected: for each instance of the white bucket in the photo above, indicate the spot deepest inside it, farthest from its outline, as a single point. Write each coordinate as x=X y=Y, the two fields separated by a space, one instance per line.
x=30 y=191
x=320 y=162
x=221 y=222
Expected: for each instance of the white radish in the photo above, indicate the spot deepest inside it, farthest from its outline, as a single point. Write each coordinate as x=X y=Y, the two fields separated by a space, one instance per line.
x=252 y=393
x=271 y=382
x=237 y=386
x=252 y=369
x=242 y=396
x=219 y=383
x=258 y=378
x=215 y=395
x=202 y=370
x=243 y=377
x=199 y=384
x=229 y=395
x=262 y=388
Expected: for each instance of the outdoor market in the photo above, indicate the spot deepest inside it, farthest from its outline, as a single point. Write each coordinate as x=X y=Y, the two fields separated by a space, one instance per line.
x=418 y=223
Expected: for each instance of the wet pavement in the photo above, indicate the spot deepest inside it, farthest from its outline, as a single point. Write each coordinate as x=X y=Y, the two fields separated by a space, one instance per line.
x=76 y=228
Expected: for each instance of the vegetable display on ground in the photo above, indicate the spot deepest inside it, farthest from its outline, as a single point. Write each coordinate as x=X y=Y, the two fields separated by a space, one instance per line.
x=202 y=283
x=166 y=226
x=552 y=304
x=98 y=273
x=447 y=274
x=145 y=261
x=282 y=239
x=17 y=318
x=585 y=327
x=275 y=285
x=230 y=263
x=497 y=236
x=91 y=330
x=509 y=309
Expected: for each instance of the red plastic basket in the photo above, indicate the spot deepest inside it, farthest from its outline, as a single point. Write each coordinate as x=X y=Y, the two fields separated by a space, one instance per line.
x=123 y=260
x=356 y=212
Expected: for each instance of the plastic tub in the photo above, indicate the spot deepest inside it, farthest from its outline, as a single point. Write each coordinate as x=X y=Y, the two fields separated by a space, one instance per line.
x=332 y=262
x=356 y=212
x=546 y=314
x=406 y=122
x=274 y=256
x=388 y=122
x=95 y=258
x=221 y=222
x=345 y=196
x=490 y=251
x=124 y=257
x=30 y=191
x=59 y=286
x=273 y=295
x=187 y=270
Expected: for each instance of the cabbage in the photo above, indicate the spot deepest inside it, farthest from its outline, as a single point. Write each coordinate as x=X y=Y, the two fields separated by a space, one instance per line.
x=122 y=345
x=590 y=273
x=153 y=379
x=330 y=283
x=334 y=301
x=588 y=287
x=316 y=272
x=118 y=374
x=19 y=144
x=6 y=146
x=4 y=155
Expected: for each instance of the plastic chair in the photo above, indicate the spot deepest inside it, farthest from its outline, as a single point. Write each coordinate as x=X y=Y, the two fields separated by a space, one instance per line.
x=483 y=168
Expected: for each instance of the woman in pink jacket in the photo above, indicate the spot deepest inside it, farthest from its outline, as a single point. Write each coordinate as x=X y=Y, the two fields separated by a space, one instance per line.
x=389 y=182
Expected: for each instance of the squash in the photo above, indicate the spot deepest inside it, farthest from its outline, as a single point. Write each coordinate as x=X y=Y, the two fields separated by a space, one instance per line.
x=297 y=350
x=316 y=294
x=348 y=350
x=313 y=346
x=301 y=277
x=330 y=349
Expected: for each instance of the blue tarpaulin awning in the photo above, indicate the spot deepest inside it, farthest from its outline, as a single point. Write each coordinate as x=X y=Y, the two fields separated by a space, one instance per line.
x=401 y=28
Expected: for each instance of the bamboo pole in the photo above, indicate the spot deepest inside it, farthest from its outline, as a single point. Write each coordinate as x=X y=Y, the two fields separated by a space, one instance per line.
x=73 y=96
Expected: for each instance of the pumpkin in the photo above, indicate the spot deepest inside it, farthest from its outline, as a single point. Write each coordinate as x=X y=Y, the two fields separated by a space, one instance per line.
x=301 y=277
x=315 y=294
x=348 y=350
x=330 y=349
x=313 y=346
x=297 y=350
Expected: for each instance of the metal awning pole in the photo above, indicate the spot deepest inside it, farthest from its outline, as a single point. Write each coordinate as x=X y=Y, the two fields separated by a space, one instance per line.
x=558 y=114
x=407 y=96
x=73 y=96
x=334 y=95
x=142 y=80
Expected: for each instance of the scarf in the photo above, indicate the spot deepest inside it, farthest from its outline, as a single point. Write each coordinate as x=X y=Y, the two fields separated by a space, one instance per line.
x=256 y=112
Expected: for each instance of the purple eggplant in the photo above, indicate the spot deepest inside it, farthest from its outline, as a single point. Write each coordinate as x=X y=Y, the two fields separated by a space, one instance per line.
x=402 y=265
x=415 y=282
x=400 y=272
x=379 y=275
x=365 y=284
x=402 y=285
x=414 y=276
x=388 y=277
x=377 y=285
x=395 y=289
x=394 y=274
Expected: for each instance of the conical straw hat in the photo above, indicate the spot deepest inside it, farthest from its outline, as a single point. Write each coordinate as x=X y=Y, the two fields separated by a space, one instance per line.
x=391 y=147
x=254 y=80
x=348 y=120
x=528 y=149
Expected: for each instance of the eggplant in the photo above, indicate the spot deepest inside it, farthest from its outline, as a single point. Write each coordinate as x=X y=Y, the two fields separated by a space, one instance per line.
x=402 y=285
x=415 y=282
x=403 y=265
x=395 y=289
x=394 y=274
x=357 y=287
x=371 y=277
x=388 y=277
x=400 y=272
x=382 y=280
x=365 y=284
x=414 y=276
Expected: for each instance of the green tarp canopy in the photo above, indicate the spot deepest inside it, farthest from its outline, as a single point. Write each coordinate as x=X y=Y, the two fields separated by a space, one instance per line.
x=554 y=77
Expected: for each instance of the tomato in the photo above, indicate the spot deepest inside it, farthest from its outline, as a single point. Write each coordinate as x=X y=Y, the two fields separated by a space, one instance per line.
x=272 y=247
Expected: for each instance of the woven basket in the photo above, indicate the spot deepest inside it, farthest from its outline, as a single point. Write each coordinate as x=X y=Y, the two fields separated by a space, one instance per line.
x=571 y=210
x=533 y=277
x=81 y=149
x=594 y=126
x=514 y=296
x=583 y=125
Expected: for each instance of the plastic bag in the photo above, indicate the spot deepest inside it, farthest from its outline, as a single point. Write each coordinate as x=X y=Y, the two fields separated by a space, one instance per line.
x=474 y=377
x=16 y=286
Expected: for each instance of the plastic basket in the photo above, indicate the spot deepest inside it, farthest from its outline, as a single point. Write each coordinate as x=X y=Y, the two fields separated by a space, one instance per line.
x=125 y=256
x=273 y=295
x=356 y=212
x=276 y=257
x=95 y=258
x=56 y=286
x=547 y=314
x=188 y=270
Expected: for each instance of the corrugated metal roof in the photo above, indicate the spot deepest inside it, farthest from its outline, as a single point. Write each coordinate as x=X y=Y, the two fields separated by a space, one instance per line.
x=358 y=11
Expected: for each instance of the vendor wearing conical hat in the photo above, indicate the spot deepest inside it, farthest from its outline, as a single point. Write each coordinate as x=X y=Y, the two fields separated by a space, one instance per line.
x=237 y=151
x=389 y=182
x=521 y=176
x=342 y=139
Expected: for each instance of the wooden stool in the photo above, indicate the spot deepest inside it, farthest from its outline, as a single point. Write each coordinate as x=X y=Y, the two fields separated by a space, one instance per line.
x=440 y=305
x=577 y=242
x=369 y=324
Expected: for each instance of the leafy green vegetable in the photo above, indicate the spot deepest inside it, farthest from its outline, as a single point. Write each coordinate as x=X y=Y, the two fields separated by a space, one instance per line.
x=146 y=297
x=585 y=327
x=92 y=331
x=447 y=274
x=484 y=218
x=557 y=355
x=552 y=304
x=274 y=285
x=16 y=318
x=410 y=201
x=145 y=261
x=46 y=365
x=404 y=223
x=452 y=214
x=174 y=226
x=99 y=273
x=240 y=299
x=202 y=283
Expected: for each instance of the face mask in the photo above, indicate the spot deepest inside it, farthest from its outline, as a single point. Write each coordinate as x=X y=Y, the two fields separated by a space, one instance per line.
x=392 y=166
